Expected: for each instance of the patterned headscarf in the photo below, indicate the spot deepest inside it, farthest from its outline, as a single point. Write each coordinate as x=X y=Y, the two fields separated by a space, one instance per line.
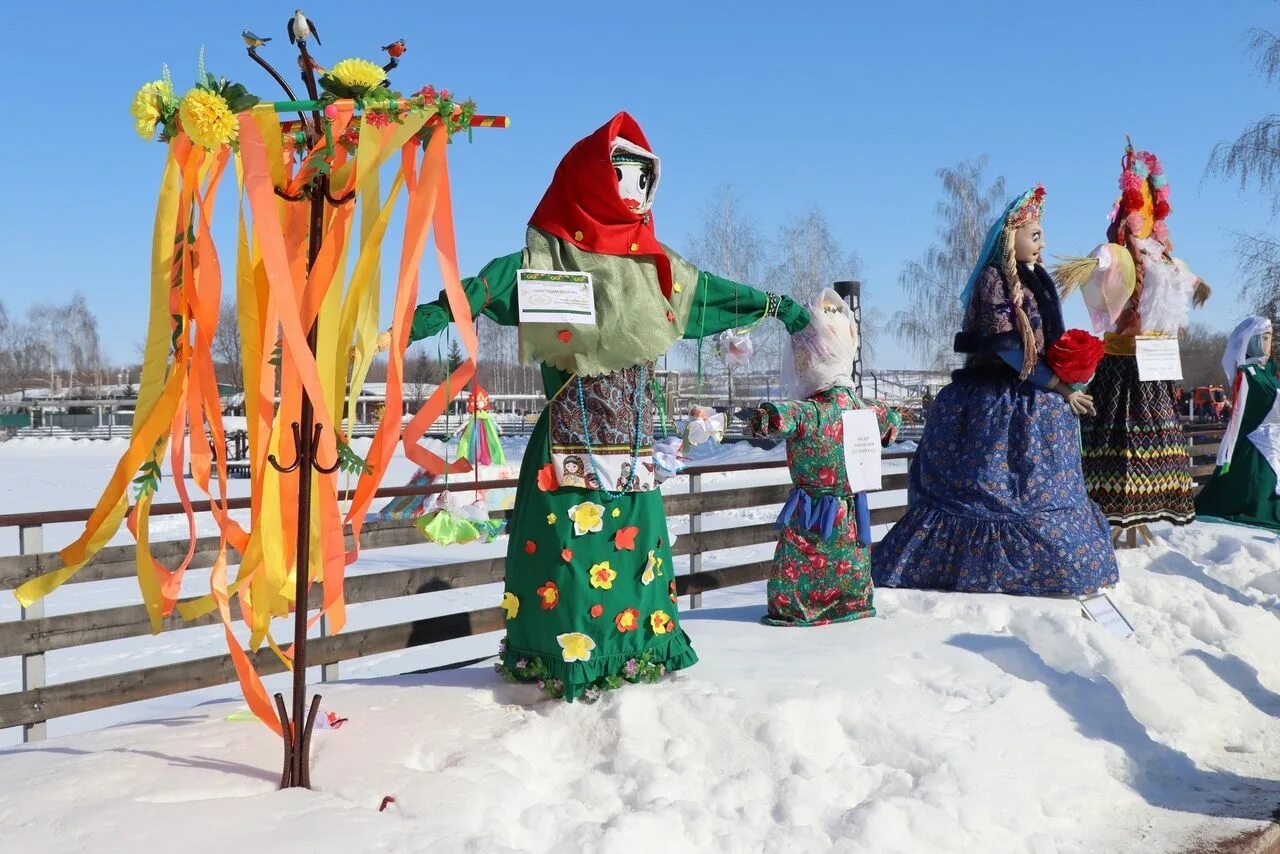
x=1022 y=210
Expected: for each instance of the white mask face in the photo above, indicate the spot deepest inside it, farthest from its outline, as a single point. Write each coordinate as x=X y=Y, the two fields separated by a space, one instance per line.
x=635 y=183
x=637 y=174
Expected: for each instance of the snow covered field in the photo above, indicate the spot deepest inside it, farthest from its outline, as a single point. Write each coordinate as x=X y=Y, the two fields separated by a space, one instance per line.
x=949 y=723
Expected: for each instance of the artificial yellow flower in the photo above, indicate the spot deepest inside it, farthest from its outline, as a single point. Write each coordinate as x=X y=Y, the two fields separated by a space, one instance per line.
x=661 y=623
x=588 y=517
x=358 y=74
x=576 y=646
x=616 y=512
x=652 y=569
x=207 y=119
x=510 y=604
x=147 y=107
x=551 y=518
x=603 y=575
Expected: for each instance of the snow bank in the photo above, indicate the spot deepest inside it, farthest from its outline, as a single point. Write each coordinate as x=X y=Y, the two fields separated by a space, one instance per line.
x=950 y=722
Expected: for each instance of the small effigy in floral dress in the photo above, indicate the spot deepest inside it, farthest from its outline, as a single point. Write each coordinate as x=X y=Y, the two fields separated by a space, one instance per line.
x=822 y=565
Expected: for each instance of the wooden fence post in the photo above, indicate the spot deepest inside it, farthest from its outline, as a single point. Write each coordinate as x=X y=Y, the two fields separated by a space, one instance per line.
x=695 y=527
x=31 y=541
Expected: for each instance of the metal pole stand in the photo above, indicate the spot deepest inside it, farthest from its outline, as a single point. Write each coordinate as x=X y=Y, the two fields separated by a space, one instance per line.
x=296 y=730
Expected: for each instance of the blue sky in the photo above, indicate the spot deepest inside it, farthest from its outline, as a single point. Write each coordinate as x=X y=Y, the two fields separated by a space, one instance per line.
x=846 y=107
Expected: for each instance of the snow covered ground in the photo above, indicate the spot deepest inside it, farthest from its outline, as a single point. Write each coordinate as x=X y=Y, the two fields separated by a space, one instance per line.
x=949 y=723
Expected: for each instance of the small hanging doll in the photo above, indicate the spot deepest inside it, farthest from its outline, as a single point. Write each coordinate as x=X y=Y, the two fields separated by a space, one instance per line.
x=702 y=425
x=450 y=521
x=479 y=444
x=478 y=440
x=448 y=518
x=822 y=565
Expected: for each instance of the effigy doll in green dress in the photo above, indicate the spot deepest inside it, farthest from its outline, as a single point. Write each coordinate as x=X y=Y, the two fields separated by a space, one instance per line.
x=590 y=595
x=1244 y=488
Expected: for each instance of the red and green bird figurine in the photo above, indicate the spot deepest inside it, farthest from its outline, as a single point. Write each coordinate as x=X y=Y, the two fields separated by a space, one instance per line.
x=396 y=49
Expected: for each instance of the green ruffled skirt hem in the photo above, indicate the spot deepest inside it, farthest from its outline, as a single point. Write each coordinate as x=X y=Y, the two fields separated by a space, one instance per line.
x=600 y=673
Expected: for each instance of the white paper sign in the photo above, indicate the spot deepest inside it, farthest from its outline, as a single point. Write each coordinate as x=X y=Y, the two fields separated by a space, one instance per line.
x=862 y=449
x=1158 y=359
x=553 y=296
x=1104 y=612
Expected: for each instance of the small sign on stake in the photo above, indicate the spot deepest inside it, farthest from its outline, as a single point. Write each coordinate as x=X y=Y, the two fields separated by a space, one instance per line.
x=1100 y=609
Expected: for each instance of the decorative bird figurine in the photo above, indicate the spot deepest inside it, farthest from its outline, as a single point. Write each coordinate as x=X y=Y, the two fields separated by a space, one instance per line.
x=315 y=66
x=301 y=29
x=396 y=48
x=253 y=41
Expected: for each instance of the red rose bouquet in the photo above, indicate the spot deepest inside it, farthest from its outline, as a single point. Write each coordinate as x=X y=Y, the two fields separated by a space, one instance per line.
x=1074 y=357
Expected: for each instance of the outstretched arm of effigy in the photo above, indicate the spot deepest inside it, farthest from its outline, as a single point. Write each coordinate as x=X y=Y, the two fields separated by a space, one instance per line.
x=782 y=419
x=722 y=304
x=491 y=293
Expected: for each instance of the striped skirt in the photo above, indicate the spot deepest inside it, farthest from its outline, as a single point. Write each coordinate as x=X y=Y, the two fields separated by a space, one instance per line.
x=1136 y=464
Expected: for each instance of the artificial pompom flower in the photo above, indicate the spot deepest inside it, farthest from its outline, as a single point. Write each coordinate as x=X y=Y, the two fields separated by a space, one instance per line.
x=358 y=74
x=148 y=105
x=1131 y=189
x=207 y=119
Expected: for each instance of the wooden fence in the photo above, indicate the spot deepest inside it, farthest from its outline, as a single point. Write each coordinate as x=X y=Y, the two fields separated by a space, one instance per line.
x=35 y=634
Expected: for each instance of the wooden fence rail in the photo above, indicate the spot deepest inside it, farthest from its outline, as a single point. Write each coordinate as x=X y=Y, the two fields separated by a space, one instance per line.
x=36 y=634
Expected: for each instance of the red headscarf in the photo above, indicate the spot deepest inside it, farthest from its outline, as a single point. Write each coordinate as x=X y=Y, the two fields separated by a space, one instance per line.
x=583 y=207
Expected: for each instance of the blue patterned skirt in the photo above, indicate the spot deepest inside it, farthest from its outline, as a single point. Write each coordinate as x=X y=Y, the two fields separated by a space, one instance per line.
x=997 y=502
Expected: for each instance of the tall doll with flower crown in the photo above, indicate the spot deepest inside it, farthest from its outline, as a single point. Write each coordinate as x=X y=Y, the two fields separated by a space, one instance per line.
x=1137 y=466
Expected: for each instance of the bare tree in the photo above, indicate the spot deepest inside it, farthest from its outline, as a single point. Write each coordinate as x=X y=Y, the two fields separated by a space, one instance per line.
x=935 y=283
x=728 y=244
x=1202 y=349
x=803 y=258
x=419 y=372
x=45 y=337
x=8 y=366
x=1254 y=156
x=226 y=345
x=83 y=347
x=807 y=257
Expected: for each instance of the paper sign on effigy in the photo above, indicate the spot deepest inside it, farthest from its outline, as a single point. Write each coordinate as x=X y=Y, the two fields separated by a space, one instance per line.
x=551 y=296
x=1158 y=359
x=862 y=449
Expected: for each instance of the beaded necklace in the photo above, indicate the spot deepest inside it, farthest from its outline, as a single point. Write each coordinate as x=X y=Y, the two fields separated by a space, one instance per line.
x=635 y=441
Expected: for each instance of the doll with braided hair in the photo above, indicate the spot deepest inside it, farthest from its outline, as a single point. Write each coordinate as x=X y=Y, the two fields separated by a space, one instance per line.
x=997 y=502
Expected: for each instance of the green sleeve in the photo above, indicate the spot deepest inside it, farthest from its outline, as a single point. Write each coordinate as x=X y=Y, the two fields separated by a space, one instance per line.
x=890 y=421
x=778 y=420
x=492 y=293
x=721 y=304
